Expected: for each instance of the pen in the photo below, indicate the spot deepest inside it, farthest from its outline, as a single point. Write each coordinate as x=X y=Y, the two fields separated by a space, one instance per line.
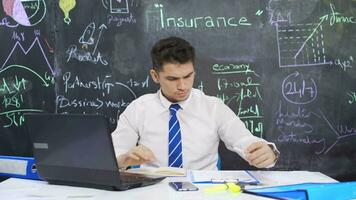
x=248 y=183
x=224 y=180
x=237 y=181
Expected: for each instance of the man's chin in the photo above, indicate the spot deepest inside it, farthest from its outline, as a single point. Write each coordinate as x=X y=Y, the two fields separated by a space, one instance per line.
x=182 y=98
x=178 y=98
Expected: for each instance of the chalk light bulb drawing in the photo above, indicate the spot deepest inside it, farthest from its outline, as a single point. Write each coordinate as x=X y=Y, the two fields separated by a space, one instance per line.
x=67 y=6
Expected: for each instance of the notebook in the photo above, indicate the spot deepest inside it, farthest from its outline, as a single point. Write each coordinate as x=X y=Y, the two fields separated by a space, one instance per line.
x=77 y=150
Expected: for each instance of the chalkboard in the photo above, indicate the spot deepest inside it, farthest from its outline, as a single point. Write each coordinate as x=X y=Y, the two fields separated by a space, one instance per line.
x=286 y=68
x=26 y=61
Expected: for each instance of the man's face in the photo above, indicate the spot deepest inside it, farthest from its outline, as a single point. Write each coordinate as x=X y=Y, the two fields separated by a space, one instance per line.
x=176 y=80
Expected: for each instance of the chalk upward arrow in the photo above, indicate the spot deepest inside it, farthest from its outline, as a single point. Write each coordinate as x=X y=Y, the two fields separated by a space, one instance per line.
x=97 y=41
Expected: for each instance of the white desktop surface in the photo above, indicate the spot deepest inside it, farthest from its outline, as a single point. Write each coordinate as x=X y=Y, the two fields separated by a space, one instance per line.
x=21 y=189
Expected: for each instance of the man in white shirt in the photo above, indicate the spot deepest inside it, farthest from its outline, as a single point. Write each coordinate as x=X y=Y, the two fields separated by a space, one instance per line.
x=142 y=134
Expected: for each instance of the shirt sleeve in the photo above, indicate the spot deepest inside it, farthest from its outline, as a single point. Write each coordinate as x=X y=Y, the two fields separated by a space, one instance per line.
x=125 y=136
x=232 y=130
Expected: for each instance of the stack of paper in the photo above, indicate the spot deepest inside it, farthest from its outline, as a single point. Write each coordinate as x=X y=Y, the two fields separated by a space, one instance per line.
x=276 y=178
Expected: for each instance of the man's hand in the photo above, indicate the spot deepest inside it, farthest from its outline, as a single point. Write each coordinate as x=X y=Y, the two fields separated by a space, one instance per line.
x=136 y=156
x=260 y=155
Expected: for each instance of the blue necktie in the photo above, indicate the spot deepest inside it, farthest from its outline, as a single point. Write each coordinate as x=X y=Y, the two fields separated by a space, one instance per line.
x=175 y=157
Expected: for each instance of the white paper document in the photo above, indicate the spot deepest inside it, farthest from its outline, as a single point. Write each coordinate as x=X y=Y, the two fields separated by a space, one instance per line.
x=213 y=176
x=274 y=178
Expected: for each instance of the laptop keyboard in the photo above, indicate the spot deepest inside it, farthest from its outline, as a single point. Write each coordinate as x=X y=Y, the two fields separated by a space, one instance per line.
x=133 y=178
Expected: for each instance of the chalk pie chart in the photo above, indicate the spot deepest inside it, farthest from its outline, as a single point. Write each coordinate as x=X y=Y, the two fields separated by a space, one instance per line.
x=25 y=12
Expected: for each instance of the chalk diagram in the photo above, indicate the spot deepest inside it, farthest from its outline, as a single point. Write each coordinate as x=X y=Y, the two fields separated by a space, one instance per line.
x=14 y=87
x=66 y=6
x=301 y=45
x=116 y=6
x=25 y=12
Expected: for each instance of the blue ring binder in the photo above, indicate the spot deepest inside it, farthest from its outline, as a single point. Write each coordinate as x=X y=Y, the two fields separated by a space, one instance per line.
x=16 y=169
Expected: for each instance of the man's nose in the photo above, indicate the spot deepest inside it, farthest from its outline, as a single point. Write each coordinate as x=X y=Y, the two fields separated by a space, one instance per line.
x=181 y=84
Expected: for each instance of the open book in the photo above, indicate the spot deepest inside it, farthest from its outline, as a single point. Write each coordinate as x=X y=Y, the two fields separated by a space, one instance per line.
x=158 y=171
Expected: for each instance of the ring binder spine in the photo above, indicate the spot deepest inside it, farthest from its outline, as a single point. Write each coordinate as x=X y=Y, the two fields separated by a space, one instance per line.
x=18 y=167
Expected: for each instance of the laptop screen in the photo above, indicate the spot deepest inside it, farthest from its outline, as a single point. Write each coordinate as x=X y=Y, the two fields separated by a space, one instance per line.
x=79 y=141
x=77 y=150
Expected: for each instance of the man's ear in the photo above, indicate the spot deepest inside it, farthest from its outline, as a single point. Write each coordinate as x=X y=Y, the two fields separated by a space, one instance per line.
x=154 y=75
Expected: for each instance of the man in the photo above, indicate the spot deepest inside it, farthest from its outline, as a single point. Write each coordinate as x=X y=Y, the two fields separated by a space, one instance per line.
x=180 y=126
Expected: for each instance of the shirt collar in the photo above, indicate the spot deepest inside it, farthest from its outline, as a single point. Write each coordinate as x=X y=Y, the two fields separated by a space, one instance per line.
x=166 y=103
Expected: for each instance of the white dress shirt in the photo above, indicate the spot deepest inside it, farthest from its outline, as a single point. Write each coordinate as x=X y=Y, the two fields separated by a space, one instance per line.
x=203 y=120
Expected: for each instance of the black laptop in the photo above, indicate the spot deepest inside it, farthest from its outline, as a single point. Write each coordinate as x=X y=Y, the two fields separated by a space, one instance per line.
x=77 y=150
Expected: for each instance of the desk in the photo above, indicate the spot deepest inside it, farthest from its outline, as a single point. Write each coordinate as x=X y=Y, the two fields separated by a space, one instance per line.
x=21 y=189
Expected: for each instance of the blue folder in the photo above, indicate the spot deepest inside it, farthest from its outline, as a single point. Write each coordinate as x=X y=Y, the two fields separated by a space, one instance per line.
x=18 y=167
x=309 y=191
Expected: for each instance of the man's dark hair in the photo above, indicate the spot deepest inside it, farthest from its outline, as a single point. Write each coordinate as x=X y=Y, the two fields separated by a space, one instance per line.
x=171 y=50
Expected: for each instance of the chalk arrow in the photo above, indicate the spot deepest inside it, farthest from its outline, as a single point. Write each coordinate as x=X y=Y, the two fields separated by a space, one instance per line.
x=97 y=41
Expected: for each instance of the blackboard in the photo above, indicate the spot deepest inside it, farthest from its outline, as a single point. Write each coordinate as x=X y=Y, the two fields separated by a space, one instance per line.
x=286 y=68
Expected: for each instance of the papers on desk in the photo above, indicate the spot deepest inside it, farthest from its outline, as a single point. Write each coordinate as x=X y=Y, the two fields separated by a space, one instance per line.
x=242 y=177
x=276 y=178
x=159 y=171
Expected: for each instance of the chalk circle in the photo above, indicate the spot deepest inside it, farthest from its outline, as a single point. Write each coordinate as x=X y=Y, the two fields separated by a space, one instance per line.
x=25 y=12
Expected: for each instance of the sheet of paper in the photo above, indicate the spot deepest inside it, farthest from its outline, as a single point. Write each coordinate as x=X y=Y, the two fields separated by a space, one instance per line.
x=274 y=178
x=224 y=175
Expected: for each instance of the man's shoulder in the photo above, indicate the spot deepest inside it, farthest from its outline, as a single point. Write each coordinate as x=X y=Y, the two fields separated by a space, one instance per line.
x=209 y=105
x=146 y=99
x=201 y=96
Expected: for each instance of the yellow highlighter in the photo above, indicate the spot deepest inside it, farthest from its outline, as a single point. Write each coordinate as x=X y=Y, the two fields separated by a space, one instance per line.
x=216 y=188
x=232 y=187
